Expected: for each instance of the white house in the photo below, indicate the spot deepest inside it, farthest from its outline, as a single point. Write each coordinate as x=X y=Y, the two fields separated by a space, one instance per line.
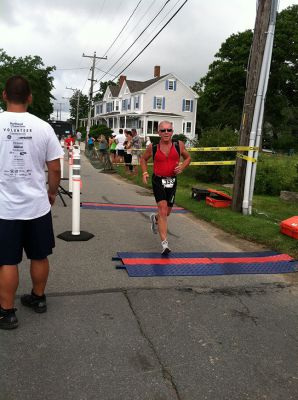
x=142 y=105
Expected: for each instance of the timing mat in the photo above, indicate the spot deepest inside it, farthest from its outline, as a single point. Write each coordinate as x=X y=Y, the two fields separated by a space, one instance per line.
x=205 y=263
x=126 y=207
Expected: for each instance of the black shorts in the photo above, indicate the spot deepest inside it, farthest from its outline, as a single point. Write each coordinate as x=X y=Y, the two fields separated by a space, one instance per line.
x=35 y=236
x=161 y=191
x=120 y=153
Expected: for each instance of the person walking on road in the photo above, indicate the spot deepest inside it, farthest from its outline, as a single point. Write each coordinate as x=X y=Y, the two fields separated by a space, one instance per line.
x=27 y=145
x=166 y=166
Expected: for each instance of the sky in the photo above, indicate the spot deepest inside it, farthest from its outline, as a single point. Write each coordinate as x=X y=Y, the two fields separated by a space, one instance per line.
x=60 y=31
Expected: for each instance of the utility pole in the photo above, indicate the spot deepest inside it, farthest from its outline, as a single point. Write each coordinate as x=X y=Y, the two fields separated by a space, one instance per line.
x=60 y=104
x=91 y=89
x=253 y=75
x=77 y=91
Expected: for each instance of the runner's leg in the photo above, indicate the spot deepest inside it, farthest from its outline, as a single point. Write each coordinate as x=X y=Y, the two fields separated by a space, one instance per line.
x=162 y=219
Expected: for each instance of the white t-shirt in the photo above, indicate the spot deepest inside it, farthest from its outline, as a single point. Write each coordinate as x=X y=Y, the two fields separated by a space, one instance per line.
x=120 y=139
x=26 y=143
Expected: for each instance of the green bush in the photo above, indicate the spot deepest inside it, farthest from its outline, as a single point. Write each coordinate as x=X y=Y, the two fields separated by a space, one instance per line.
x=97 y=130
x=215 y=137
x=275 y=173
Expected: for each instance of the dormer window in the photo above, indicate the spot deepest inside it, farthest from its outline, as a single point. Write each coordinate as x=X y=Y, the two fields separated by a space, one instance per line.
x=171 y=84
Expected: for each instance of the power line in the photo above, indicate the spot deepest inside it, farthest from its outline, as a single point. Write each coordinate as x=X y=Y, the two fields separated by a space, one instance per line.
x=152 y=38
x=125 y=40
x=123 y=27
x=139 y=36
x=145 y=40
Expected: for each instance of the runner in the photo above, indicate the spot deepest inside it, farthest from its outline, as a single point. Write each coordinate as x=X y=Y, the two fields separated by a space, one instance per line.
x=166 y=166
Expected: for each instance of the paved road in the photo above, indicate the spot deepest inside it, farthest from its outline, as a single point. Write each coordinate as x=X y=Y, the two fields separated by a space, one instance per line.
x=107 y=336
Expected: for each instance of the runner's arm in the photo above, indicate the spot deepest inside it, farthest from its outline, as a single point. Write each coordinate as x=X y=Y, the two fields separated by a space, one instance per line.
x=54 y=175
x=144 y=159
x=186 y=159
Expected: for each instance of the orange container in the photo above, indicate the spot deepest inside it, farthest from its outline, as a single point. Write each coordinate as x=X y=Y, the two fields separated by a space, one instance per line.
x=218 y=199
x=290 y=227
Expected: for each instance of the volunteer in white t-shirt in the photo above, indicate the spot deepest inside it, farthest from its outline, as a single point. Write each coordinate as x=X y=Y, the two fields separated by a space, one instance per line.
x=27 y=145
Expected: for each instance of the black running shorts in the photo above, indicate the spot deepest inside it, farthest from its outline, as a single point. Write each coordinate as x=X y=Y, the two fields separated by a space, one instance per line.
x=164 y=188
x=35 y=236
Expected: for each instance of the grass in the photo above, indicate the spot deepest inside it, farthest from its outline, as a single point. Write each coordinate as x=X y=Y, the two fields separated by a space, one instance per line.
x=261 y=227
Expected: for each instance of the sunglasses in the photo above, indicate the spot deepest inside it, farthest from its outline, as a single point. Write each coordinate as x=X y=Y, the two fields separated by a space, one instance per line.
x=166 y=130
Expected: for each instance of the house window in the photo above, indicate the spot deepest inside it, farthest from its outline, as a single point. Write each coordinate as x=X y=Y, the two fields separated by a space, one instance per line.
x=97 y=110
x=159 y=103
x=136 y=105
x=124 y=105
x=109 y=107
x=188 y=127
x=171 y=84
x=128 y=104
x=116 y=105
x=187 y=105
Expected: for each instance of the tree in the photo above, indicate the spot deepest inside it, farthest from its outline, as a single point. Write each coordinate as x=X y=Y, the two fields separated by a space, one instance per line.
x=83 y=106
x=222 y=90
x=281 y=110
x=33 y=69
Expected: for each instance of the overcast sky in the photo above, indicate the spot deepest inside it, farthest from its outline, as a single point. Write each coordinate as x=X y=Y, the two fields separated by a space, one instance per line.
x=60 y=31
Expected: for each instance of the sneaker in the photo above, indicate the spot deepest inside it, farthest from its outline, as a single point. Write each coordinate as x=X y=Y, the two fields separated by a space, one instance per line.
x=165 y=248
x=154 y=227
x=8 y=319
x=37 y=303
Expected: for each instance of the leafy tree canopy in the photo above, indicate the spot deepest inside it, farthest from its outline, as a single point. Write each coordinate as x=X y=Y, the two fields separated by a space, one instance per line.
x=83 y=105
x=222 y=89
x=33 y=69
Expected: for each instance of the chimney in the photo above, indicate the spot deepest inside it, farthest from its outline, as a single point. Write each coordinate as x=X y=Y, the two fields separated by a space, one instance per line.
x=157 y=71
x=122 y=78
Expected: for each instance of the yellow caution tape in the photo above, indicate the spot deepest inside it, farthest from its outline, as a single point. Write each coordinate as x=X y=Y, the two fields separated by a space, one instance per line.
x=246 y=157
x=229 y=148
x=213 y=163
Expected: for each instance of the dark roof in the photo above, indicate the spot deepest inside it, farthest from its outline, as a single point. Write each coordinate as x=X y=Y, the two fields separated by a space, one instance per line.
x=134 y=86
x=137 y=86
x=115 y=89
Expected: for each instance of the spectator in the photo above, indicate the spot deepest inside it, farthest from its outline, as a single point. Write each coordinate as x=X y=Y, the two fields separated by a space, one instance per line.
x=102 y=147
x=148 y=142
x=136 y=152
x=25 y=212
x=127 y=151
x=112 y=146
x=79 y=137
x=120 y=138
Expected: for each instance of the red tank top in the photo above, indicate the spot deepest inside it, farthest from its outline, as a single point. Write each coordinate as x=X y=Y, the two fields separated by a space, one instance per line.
x=165 y=165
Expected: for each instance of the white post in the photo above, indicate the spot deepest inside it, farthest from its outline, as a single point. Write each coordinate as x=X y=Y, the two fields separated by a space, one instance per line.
x=62 y=160
x=70 y=161
x=76 y=187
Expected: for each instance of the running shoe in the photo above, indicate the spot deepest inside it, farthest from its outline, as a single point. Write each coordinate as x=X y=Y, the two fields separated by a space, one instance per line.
x=37 y=303
x=154 y=227
x=8 y=319
x=165 y=248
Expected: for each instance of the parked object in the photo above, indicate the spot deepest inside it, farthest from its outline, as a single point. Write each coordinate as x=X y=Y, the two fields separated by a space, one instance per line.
x=199 y=194
x=290 y=227
x=218 y=199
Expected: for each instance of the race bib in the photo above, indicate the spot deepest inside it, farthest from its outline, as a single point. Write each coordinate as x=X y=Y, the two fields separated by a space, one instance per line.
x=168 y=182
